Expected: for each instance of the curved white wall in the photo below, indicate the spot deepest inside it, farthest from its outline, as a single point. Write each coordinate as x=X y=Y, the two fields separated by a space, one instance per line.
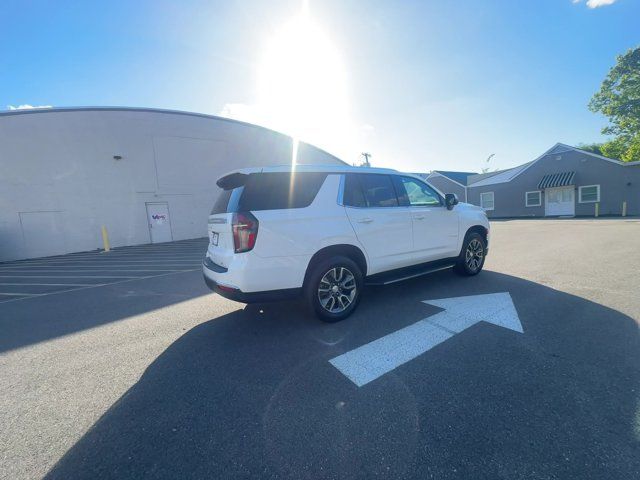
x=59 y=181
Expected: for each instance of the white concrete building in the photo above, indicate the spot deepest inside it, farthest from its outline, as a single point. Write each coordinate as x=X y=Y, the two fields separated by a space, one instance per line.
x=146 y=175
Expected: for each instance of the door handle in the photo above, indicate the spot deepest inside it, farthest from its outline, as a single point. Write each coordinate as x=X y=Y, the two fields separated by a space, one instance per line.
x=365 y=220
x=419 y=217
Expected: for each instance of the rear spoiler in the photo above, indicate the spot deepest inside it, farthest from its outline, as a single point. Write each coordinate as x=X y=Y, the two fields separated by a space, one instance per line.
x=233 y=180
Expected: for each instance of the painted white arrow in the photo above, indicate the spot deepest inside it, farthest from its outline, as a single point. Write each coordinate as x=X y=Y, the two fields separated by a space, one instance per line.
x=368 y=362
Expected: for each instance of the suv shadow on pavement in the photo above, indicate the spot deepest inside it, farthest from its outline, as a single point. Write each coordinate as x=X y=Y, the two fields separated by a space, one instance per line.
x=251 y=394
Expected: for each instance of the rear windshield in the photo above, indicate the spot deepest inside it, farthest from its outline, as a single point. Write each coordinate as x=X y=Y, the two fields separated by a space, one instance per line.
x=277 y=191
x=271 y=191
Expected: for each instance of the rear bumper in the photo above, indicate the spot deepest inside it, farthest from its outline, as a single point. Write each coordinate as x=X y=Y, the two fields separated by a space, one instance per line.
x=249 y=272
x=237 y=295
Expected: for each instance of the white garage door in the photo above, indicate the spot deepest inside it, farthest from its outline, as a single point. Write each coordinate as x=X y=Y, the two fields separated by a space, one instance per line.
x=559 y=201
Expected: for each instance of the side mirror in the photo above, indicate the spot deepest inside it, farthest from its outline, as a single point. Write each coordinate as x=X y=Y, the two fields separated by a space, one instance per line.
x=450 y=200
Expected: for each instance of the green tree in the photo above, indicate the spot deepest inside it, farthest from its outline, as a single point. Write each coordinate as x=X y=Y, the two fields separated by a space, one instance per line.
x=591 y=147
x=619 y=100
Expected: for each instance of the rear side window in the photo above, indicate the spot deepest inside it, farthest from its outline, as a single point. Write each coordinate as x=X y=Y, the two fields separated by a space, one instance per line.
x=227 y=201
x=375 y=190
x=221 y=202
x=277 y=191
x=353 y=193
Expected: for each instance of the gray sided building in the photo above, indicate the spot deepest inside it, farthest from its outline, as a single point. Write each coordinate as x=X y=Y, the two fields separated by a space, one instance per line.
x=145 y=175
x=563 y=181
x=450 y=182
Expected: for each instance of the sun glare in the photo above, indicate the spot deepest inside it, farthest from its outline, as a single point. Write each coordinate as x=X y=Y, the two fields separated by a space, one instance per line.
x=302 y=85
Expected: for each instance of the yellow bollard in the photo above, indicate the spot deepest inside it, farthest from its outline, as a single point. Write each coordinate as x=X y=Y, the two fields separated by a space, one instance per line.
x=624 y=208
x=105 y=239
x=597 y=209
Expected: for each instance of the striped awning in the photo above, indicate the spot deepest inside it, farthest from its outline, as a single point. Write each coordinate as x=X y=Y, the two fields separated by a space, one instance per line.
x=557 y=180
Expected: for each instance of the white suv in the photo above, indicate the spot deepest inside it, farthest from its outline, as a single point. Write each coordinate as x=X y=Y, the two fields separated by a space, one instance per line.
x=326 y=231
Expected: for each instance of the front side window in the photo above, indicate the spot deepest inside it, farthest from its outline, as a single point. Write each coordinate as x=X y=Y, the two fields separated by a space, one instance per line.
x=533 y=199
x=415 y=193
x=486 y=200
x=589 y=194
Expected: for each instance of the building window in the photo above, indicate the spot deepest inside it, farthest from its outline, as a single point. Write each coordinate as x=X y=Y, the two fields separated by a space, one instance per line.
x=486 y=200
x=589 y=194
x=533 y=199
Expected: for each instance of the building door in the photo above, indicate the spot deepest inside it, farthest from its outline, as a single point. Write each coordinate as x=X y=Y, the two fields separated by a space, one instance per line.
x=159 y=222
x=559 y=201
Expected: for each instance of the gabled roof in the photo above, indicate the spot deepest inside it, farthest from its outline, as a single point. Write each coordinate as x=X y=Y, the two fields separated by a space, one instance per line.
x=501 y=176
x=511 y=173
x=459 y=177
x=481 y=176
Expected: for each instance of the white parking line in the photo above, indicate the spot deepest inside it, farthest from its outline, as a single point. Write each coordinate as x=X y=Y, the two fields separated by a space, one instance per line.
x=185 y=249
x=140 y=258
x=25 y=296
x=143 y=258
x=79 y=276
x=119 y=255
x=86 y=267
x=114 y=254
x=20 y=295
x=91 y=267
x=53 y=284
x=107 y=262
x=187 y=265
x=91 y=271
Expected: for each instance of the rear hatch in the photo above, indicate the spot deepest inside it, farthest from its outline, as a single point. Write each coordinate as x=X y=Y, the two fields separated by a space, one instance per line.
x=233 y=226
x=221 y=246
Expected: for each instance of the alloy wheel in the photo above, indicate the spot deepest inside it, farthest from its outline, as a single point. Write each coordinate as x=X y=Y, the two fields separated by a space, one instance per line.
x=337 y=290
x=474 y=255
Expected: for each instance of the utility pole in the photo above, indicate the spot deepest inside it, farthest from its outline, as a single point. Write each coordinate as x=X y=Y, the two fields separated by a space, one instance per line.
x=366 y=156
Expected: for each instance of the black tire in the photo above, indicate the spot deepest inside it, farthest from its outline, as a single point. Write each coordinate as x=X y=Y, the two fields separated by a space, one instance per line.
x=472 y=255
x=320 y=278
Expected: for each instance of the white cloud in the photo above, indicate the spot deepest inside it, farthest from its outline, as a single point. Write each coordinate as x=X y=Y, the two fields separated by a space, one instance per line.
x=596 y=3
x=26 y=106
x=599 y=3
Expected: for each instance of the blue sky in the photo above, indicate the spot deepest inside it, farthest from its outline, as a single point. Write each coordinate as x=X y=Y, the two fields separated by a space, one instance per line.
x=429 y=85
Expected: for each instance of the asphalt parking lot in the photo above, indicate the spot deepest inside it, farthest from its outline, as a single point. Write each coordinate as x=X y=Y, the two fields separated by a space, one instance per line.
x=107 y=376
x=30 y=278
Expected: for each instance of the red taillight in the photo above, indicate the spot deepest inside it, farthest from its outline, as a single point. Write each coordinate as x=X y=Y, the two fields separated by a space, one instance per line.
x=245 y=231
x=224 y=288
